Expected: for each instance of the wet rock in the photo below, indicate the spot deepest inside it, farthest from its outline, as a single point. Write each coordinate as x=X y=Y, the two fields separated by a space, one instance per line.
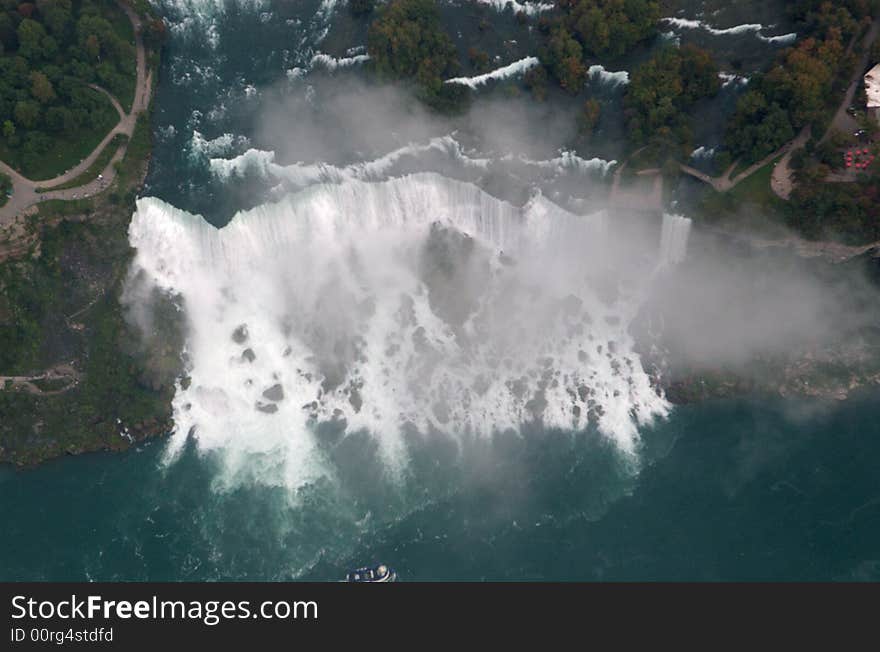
x=354 y=398
x=275 y=393
x=240 y=334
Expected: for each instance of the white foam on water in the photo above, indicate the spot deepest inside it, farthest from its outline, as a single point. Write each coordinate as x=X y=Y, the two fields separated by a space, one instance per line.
x=419 y=301
x=702 y=152
x=262 y=163
x=728 y=78
x=198 y=19
x=529 y=8
x=783 y=39
x=755 y=28
x=304 y=174
x=672 y=37
x=618 y=78
x=568 y=161
x=510 y=70
x=222 y=145
x=332 y=63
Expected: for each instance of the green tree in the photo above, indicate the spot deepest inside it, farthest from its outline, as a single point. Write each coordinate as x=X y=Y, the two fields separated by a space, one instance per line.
x=27 y=114
x=92 y=46
x=564 y=58
x=661 y=92
x=610 y=27
x=30 y=39
x=57 y=16
x=41 y=87
x=536 y=81
x=407 y=42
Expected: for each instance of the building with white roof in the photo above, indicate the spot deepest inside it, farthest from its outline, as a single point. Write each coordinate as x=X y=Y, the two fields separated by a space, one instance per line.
x=872 y=89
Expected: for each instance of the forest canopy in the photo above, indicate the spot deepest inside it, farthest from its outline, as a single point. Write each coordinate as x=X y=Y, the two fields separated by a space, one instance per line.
x=609 y=27
x=407 y=42
x=796 y=90
x=586 y=29
x=50 y=51
x=662 y=91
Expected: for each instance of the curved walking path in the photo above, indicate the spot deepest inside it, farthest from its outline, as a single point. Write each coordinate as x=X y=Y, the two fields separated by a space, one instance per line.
x=24 y=190
x=724 y=182
x=782 y=179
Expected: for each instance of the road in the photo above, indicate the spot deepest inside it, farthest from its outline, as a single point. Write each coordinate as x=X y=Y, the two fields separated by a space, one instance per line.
x=842 y=120
x=782 y=181
x=24 y=190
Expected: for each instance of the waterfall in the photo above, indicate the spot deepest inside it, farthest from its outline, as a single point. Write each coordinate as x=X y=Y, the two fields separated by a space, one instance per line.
x=674 y=239
x=415 y=302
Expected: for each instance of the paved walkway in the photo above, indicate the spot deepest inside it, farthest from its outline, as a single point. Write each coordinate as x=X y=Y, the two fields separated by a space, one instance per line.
x=24 y=190
x=724 y=182
x=633 y=200
x=60 y=372
x=782 y=179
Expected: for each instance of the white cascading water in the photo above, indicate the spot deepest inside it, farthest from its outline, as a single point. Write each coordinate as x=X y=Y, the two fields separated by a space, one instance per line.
x=417 y=301
x=674 y=238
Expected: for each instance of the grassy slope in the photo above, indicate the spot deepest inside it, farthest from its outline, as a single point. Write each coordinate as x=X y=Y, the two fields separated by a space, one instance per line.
x=752 y=203
x=95 y=168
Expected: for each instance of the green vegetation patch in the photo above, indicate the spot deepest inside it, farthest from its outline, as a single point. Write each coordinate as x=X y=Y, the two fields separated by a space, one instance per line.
x=662 y=91
x=407 y=42
x=586 y=29
x=751 y=203
x=803 y=85
x=50 y=51
x=95 y=168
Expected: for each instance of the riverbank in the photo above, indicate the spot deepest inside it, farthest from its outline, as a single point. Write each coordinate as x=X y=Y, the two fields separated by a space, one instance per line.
x=74 y=376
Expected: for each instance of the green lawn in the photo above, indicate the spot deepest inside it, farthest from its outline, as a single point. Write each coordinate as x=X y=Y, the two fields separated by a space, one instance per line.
x=66 y=150
x=95 y=168
x=751 y=202
x=756 y=189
